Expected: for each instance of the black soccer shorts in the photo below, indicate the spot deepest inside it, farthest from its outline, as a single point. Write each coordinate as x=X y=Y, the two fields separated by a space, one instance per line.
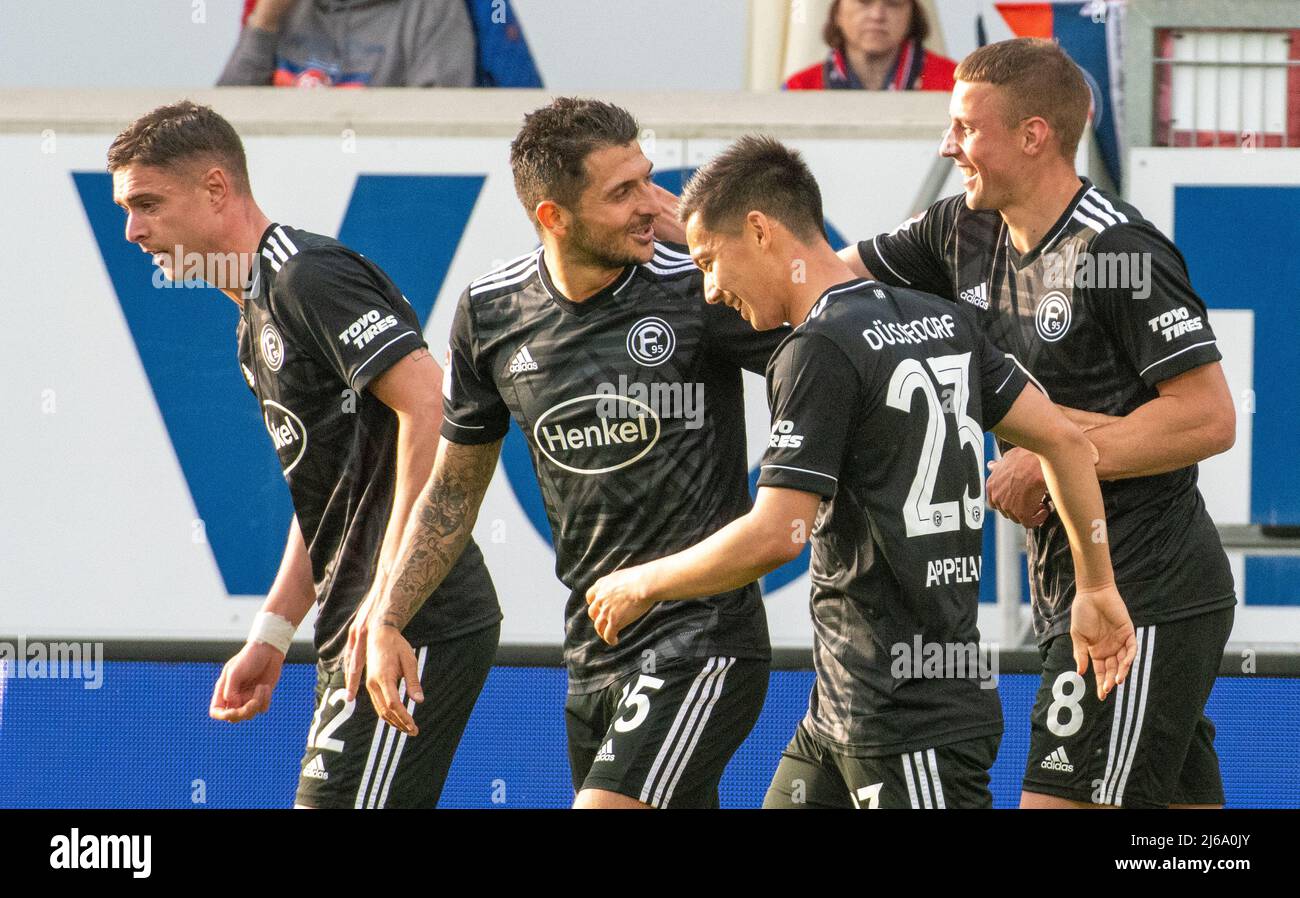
x=664 y=738
x=356 y=760
x=1149 y=744
x=814 y=774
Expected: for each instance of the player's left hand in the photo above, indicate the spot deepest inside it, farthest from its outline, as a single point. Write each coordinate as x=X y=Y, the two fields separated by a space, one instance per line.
x=615 y=601
x=1017 y=488
x=1102 y=631
x=389 y=660
x=666 y=225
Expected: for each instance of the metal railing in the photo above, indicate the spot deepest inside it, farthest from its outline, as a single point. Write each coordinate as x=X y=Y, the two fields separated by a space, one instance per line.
x=1218 y=87
x=1249 y=539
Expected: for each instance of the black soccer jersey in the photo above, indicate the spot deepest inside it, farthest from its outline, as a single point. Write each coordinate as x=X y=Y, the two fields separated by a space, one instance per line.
x=1100 y=312
x=631 y=404
x=319 y=323
x=880 y=400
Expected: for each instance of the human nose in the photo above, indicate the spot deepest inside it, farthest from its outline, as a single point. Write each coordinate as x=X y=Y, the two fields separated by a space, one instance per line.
x=135 y=231
x=647 y=199
x=948 y=143
x=712 y=293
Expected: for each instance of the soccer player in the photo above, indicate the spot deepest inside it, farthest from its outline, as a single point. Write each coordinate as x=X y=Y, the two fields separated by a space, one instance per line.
x=350 y=396
x=879 y=400
x=1097 y=304
x=627 y=386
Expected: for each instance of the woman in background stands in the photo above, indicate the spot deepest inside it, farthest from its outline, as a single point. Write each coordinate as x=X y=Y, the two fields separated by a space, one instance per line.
x=876 y=45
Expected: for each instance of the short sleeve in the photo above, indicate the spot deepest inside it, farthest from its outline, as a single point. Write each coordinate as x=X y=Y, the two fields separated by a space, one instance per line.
x=473 y=411
x=328 y=297
x=912 y=254
x=1001 y=380
x=1156 y=319
x=733 y=338
x=810 y=384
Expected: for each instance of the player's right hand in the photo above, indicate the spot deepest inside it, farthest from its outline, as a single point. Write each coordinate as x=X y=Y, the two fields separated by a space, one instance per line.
x=1102 y=632
x=666 y=225
x=389 y=660
x=354 y=655
x=244 y=688
x=1017 y=489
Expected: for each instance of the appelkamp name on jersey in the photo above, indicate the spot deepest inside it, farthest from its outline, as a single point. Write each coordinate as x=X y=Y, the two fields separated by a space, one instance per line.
x=366 y=328
x=919 y=330
x=960 y=569
x=575 y=436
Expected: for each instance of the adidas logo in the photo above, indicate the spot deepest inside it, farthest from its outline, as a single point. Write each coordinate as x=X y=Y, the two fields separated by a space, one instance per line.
x=316 y=769
x=606 y=752
x=1057 y=761
x=978 y=296
x=523 y=361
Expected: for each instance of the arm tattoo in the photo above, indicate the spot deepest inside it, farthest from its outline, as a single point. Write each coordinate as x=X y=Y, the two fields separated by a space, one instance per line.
x=438 y=529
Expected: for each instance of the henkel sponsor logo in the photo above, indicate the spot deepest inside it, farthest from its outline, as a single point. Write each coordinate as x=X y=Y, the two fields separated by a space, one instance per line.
x=287 y=433
x=575 y=436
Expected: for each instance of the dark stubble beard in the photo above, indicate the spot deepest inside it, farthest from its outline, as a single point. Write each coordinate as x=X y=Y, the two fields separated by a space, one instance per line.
x=601 y=250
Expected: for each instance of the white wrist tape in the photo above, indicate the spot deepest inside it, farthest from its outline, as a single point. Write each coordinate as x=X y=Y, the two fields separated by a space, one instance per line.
x=272 y=629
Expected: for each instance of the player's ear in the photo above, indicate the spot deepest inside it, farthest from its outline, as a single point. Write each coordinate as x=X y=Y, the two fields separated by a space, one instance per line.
x=216 y=184
x=758 y=228
x=1036 y=134
x=551 y=216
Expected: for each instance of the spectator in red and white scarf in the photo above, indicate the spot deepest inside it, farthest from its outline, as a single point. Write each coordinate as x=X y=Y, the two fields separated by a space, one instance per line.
x=876 y=45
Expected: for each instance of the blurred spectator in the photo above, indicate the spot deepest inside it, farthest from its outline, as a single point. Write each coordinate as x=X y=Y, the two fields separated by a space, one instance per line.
x=504 y=59
x=354 y=43
x=876 y=45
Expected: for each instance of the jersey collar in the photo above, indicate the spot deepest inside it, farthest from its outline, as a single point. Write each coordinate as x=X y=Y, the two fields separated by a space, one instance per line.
x=255 y=274
x=820 y=305
x=591 y=303
x=1053 y=233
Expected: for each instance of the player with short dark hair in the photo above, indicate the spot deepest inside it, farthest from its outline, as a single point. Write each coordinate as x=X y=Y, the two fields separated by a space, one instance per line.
x=350 y=397
x=626 y=385
x=1097 y=304
x=887 y=479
